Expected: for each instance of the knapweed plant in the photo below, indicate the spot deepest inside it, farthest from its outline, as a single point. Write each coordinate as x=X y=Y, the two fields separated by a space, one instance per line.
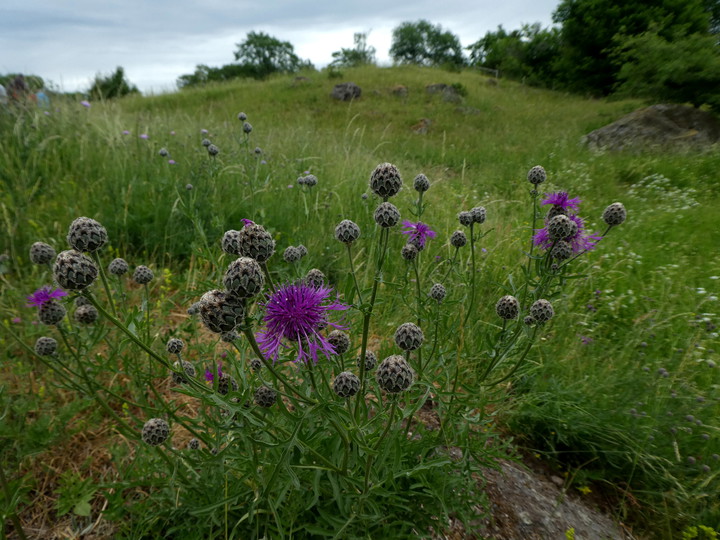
x=293 y=412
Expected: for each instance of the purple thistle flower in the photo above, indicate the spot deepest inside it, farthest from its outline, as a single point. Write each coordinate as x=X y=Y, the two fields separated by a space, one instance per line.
x=418 y=231
x=171 y=161
x=44 y=294
x=297 y=312
x=85 y=103
x=16 y=320
x=144 y=136
x=126 y=132
x=209 y=377
x=247 y=222
x=562 y=199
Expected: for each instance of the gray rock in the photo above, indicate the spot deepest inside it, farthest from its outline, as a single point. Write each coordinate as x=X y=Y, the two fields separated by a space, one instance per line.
x=346 y=91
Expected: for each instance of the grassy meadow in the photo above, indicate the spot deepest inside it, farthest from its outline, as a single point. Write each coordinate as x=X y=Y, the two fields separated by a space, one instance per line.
x=620 y=392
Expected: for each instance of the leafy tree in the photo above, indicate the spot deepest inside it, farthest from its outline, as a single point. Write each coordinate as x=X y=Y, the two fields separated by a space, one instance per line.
x=684 y=69
x=528 y=53
x=112 y=86
x=360 y=55
x=262 y=55
x=424 y=44
x=589 y=28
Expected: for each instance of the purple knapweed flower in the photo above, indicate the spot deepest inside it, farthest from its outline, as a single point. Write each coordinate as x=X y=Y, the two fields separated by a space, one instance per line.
x=85 y=103
x=586 y=340
x=209 y=376
x=418 y=232
x=16 y=320
x=204 y=131
x=562 y=199
x=171 y=161
x=247 y=222
x=44 y=294
x=172 y=133
x=144 y=136
x=126 y=132
x=296 y=313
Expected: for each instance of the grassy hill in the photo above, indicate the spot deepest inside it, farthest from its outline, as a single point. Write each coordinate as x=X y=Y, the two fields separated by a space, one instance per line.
x=621 y=389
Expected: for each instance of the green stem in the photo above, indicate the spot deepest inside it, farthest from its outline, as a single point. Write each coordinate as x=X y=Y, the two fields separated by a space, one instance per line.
x=268 y=276
x=352 y=272
x=472 y=276
x=96 y=258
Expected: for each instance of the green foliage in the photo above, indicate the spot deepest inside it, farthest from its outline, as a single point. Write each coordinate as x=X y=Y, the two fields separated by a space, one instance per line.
x=261 y=55
x=529 y=53
x=422 y=43
x=111 y=86
x=360 y=55
x=34 y=82
x=74 y=494
x=700 y=532
x=679 y=70
x=589 y=27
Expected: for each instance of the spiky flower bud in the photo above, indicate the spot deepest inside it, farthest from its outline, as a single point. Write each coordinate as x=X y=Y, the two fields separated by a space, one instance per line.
x=175 y=345
x=163 y=152
x=528 y=320
x=409 y=336
x=507 y=307
x=561 y=227
x=387 y=215
x=291 y=254
x=255 y=242
x=555 y=210
x=421 y=183
x=315 y=278
x=41 y=253
x=458 y=239
x=155 y=431
x=256 y=364
x=346 y=384
x=465 y=218
x=385 y=180
x=73 y=270
x=265 y=397
x=409 y=252
x=118 y=267
x=45 y=346
x=614 y=214
x=221 y=311
x=213 y=150
x=478 y=214
x=302 y=250
x=226 y=383
x=187 y=368
x=206 y=143
x=51 y=312
x=370 y=360
x=536 y=175
x=82 y=301
x=86 y=234
x=242 y=116
x=244 y=278
x=438 y=292
x=247 y=127
x=562 y=250
x=347 y=231
x=339 y=340
x=193 y=444
x=310 y=180
x=143 y=275
x=230 y=242
x=542 y=311
x=194 y=309
x=394 y=374
x=86 y=314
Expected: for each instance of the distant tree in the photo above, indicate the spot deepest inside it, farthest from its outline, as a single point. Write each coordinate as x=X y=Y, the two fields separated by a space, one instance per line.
x=684 y=69
x=33 y=82
x=262 y=55
x=360 y=55
x=424 y=44
x=112 y=86
x=529 y=53
x=589 y=27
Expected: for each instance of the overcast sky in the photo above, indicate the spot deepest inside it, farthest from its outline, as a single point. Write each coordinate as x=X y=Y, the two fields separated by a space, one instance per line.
x=69 y=41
